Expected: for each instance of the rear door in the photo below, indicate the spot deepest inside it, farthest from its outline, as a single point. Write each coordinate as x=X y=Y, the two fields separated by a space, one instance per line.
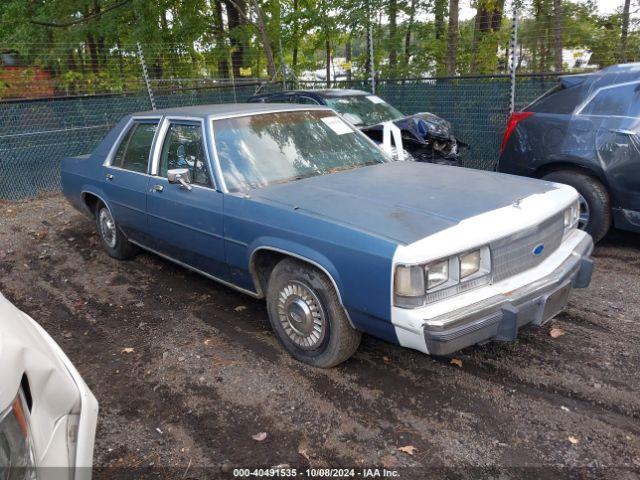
x=616 y=110
x=186 y=224
x=127 y=175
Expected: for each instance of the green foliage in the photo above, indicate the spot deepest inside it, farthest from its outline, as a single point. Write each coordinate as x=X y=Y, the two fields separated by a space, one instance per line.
x=89 y=46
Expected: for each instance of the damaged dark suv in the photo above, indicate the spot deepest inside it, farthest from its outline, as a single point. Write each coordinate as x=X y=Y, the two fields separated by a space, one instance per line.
x=425 y=136
x=585 y=132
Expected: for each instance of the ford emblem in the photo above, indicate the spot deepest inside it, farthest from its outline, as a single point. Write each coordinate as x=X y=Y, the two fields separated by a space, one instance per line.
x=537 y=251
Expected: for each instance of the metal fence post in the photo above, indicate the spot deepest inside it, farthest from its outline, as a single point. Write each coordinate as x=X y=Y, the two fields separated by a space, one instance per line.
x=514 y=60
x=146 y=77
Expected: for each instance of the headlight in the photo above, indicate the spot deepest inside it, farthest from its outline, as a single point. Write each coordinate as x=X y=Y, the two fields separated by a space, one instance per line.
x=571 y=217
x=415 y=285
x=437 y=274
x=469 y=263
x=15 y=440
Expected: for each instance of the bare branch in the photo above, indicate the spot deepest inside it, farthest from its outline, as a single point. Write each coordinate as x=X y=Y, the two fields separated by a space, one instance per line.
x=80 y=20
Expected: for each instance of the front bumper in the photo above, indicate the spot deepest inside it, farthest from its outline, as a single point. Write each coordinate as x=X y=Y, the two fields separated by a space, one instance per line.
x=499 y=317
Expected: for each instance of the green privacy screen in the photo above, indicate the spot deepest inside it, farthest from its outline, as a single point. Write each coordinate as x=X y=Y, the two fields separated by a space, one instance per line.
x=36 y=134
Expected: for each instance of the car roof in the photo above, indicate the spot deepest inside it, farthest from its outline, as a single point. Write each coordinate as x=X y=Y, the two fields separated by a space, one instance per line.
x=621 y=73
x=323 y=92
x=226 y=110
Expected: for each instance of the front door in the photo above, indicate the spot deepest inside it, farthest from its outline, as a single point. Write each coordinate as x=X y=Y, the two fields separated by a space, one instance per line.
x=187 y=224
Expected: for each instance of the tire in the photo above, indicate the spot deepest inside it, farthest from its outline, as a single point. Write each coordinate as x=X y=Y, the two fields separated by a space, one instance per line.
x=307 y=317
x=111 y=237
x=596 y=197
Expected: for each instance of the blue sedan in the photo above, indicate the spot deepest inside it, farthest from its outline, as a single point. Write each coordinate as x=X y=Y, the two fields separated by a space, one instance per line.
x=293 y=204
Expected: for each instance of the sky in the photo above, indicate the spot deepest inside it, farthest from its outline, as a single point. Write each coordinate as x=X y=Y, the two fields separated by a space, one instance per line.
x=604 y=6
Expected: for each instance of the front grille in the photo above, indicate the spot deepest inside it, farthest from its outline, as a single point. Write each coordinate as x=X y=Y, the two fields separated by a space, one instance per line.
x=514 y=254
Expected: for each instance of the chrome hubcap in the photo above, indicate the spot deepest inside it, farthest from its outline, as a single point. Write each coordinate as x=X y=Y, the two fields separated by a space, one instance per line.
x=301 y=315
x=107 y=228
x=583 y=219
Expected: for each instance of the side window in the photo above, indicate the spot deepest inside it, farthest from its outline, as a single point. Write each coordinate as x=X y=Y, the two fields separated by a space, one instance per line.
x=307 y=100
x=184 y=148
x=621 y=101
x=133 y=152
x=277 y=99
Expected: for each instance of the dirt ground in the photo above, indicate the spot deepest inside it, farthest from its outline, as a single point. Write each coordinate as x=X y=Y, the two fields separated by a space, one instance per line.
x=186 y=371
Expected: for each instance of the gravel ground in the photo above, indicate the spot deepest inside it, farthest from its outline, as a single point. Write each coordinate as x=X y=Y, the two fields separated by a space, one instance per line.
x=186 y=371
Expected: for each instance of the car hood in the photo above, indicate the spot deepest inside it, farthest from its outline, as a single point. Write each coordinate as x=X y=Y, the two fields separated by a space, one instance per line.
x=403 y=201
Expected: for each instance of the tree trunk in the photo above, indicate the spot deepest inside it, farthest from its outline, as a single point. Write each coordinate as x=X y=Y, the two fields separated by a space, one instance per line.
x=221 y=41
x=236 y=14
x=392 y=13
x=625 y=31
x=407 y=36
x=328 y=53
x=295 y=35
x=452 y=37
x=439 y=8
x=264 y=38
x=488 y=19
x=347 y=54
x=557 y=35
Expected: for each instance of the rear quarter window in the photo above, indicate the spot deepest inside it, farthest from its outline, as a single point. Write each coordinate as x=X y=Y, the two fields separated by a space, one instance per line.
x=559 y=100
x=621 y=101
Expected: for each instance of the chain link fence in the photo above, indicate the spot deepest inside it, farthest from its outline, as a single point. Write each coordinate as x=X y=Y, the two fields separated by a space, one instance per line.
x=60 y=99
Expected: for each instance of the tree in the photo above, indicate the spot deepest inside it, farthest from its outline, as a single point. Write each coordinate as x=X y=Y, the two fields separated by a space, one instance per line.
x=452 y=37
x=625 y=31
x=557 y=35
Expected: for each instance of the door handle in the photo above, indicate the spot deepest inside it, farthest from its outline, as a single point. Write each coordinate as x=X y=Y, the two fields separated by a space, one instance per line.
x=109 y=176
x=158 y=188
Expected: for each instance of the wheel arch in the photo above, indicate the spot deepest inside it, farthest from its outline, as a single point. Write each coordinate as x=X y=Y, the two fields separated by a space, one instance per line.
x=263 y=259
x=90 y=199
x=559 y=165
x=591 y=170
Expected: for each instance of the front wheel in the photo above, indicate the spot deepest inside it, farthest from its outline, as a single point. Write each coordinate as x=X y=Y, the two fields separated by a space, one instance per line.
x=595 y=206
x=307 y=317
x=112 y=239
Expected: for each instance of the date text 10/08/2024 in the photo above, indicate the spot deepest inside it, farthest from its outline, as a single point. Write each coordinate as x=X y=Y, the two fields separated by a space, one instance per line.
x=315 y=473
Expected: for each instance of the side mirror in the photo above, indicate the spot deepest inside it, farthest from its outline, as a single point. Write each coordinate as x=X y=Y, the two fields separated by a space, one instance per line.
x=181 y=176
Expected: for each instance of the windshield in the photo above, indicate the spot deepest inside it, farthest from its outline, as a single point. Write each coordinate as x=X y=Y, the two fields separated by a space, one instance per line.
x=264 y=149
x=368 y=108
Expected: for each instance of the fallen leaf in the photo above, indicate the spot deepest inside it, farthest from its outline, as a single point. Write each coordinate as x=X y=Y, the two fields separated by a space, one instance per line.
x=573 y=440
x=40 y=234
x=409 y=449
x=240 y=308
x=556 y=332
x=303 y=449
x=259 y=437
x=456 y=361
x=126 y=350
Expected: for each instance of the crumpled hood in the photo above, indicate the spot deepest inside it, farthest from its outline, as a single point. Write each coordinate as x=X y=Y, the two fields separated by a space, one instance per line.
x=422 y=127
x=403 y=201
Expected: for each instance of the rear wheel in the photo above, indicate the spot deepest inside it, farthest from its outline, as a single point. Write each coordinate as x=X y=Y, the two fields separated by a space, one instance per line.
x=307 y=317
x=111 y=237
x=595 y=206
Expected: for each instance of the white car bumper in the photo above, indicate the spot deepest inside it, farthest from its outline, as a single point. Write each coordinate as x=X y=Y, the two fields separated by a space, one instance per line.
x=497 y=311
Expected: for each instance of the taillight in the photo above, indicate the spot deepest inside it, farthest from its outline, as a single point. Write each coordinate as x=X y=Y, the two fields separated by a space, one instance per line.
x=514 y=119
